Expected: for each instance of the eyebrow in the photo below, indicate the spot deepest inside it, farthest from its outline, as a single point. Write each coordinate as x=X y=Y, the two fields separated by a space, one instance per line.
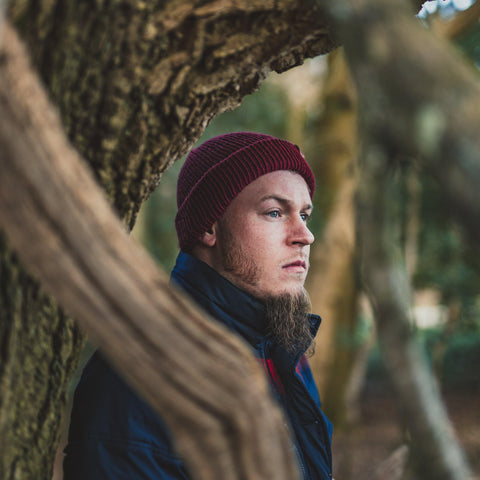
x=284 y=201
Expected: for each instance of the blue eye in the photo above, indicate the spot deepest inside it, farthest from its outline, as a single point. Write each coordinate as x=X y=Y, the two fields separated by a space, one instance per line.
x=274 y=214
x=305 y=217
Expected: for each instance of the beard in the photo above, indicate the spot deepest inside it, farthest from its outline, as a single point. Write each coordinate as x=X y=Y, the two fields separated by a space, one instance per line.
x=236 y=263
x=289 y=323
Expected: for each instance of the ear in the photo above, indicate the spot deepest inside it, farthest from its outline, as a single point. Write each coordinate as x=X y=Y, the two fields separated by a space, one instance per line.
x=209 y=238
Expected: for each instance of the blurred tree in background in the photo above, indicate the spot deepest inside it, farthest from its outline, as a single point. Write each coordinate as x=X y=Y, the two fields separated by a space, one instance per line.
x=446 y=261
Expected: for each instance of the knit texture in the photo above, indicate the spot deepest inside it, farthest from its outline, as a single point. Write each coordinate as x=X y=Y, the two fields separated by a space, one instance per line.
x=219 y=169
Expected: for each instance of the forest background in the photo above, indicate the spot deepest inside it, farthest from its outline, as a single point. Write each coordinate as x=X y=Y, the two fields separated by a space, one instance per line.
x=315 y=106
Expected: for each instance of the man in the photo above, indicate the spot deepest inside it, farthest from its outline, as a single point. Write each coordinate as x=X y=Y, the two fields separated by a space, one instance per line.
x=243 y=204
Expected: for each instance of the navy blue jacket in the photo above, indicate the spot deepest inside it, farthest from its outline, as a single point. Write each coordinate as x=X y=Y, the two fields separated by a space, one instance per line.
x=115 y=435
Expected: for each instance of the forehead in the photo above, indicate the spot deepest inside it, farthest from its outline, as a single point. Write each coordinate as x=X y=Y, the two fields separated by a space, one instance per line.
x=282 y=183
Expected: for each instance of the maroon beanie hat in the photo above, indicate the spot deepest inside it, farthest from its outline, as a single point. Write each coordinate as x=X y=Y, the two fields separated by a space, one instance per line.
x=219 y=169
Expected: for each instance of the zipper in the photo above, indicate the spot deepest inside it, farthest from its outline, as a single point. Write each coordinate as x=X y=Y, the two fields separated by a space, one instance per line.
x=319 y=419
x=277 y=384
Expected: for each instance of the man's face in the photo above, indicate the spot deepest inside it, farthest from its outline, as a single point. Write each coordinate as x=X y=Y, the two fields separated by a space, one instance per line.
x=262 y=240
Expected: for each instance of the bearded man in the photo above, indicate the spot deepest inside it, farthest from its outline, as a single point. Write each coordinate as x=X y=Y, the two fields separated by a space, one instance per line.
x=244 y=200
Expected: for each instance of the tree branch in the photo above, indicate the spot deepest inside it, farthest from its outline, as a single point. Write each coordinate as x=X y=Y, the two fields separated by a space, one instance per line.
x=51 y=209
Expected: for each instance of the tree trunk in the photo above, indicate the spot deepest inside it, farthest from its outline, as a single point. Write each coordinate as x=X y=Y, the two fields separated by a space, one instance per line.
x=135 y=84
x=332 y=279
x=39 y=350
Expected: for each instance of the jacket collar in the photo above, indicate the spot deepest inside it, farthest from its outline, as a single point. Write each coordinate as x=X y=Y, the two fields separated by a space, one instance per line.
x=220 y=298
x=236 y=308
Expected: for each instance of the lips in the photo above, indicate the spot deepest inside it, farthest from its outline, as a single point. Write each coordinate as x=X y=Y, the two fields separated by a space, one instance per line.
x=296 y=264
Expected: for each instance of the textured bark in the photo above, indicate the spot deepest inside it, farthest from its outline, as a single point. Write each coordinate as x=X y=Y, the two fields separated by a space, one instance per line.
x=416 y=97
x=33 y=383
x=39 y=350
x=216 y=410
x=135 y=83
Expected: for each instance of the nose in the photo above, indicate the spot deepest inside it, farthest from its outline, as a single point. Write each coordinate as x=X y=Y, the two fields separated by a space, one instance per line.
x=300 y=233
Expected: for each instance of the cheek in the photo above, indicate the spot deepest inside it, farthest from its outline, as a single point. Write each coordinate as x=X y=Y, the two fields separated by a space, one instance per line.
x=266 y=257
x=250 y=236
x=260 y=242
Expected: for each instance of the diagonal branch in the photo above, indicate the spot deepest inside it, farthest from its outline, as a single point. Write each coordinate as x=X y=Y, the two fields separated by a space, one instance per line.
x=63 y=228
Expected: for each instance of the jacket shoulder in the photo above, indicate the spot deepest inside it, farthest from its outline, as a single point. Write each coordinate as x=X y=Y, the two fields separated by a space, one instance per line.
x=113 y=430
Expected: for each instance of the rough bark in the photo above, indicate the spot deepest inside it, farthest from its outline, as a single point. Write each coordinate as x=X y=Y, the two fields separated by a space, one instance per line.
x=216 y=410
x=416 y=97
x=39 y=350
x=135 y=84
x=33 y=383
